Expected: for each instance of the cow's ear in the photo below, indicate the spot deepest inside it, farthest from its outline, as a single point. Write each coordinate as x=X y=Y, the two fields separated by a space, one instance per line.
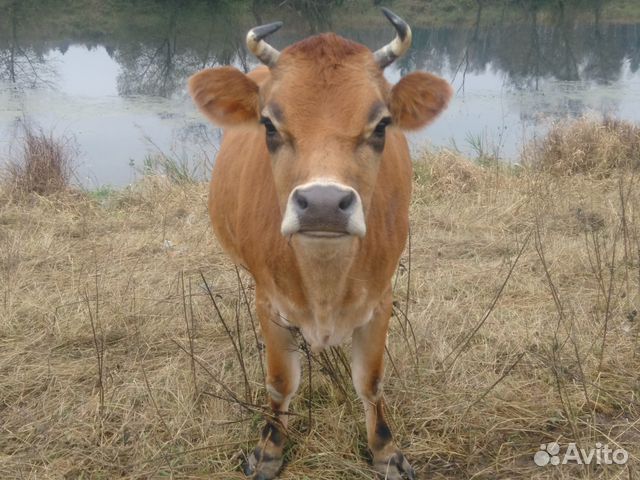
x=417 y=99
x=225 y=95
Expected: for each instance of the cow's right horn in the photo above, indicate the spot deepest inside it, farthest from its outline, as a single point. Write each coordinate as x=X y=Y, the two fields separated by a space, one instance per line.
x=399 y=45
x=261 y=49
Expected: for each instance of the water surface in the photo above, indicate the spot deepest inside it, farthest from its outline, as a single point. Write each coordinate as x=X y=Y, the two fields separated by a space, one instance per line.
x=111 y=74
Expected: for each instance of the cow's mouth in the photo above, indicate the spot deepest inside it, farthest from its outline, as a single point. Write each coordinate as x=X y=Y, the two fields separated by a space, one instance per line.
x=323 y=234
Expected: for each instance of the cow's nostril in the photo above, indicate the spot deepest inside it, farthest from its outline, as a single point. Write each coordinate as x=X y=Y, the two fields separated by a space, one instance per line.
x=347 y=201
x=300 y=201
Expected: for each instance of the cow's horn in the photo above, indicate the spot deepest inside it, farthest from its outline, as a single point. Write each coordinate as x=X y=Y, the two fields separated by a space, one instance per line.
x=399 y=45
x=261 y=49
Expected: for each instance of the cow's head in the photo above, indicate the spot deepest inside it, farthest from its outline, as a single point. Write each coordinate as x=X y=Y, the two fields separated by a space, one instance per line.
x=325 y=108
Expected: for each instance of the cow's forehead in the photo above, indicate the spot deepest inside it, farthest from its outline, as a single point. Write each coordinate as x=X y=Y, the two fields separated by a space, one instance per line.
x=333 y=82
x=303 y=90
x=345 y=111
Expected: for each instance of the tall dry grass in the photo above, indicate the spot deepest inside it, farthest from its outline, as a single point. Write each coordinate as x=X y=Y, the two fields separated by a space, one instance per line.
x=128 y=349
x=44 y=163
x=589 y=146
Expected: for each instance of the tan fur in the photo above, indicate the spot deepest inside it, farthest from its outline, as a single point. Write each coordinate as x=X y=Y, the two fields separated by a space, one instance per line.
x=415 y=94
x=225 y=95
x=321 y=95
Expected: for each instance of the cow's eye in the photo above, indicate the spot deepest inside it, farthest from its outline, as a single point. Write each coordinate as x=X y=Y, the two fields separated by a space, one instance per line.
x=381 y=127
x=274 y=139
x=269 y=126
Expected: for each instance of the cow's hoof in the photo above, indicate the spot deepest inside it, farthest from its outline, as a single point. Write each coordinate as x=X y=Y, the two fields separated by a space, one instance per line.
x=395 y=467
x=262 y=466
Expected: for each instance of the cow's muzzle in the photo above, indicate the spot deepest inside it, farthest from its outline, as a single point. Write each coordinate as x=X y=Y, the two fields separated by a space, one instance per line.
x=324 y=210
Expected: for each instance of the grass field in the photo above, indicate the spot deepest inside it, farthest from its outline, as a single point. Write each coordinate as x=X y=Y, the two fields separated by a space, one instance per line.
x=127 y=348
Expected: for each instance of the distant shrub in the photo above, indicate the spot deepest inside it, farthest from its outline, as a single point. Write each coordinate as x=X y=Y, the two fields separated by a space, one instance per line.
x=446 y=171
x=587 y=146
x=44 y=163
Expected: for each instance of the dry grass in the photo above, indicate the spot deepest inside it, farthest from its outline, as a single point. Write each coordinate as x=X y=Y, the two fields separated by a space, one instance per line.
x=588 y=145
x=523 y=299
x=446 y=172
x=44 y=165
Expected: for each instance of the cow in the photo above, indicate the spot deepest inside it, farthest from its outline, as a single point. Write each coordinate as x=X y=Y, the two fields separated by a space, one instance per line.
x=310 y=193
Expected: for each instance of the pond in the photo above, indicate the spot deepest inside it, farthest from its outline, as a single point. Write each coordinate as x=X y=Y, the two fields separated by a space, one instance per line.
x=110 y=75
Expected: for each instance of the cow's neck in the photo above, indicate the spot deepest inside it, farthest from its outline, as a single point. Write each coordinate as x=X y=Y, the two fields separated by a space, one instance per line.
x=324 y=269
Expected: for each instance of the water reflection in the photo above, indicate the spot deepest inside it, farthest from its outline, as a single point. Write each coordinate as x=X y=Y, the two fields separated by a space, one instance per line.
x=21 y=63
x=537 y=59
x=159 y=43
x=159 y=59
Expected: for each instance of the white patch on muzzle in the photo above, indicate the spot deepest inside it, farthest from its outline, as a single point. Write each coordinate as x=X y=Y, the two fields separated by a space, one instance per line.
x=355 y=225
x=290 y=222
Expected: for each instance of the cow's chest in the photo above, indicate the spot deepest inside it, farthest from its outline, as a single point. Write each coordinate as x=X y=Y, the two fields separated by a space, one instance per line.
x=325 y=324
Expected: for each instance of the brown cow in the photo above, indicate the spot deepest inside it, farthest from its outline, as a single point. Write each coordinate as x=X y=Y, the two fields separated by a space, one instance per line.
x=310 y=192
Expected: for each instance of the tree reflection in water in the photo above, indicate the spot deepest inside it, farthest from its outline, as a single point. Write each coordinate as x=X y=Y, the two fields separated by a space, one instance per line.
x=158 y=43
x=21 y=63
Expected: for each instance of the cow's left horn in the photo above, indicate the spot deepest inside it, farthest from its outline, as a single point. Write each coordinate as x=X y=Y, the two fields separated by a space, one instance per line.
x=261 y=49
x=399 y=45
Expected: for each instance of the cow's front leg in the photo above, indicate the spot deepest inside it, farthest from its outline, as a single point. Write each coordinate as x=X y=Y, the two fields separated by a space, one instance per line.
x=367 y=370
x=283 y=378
